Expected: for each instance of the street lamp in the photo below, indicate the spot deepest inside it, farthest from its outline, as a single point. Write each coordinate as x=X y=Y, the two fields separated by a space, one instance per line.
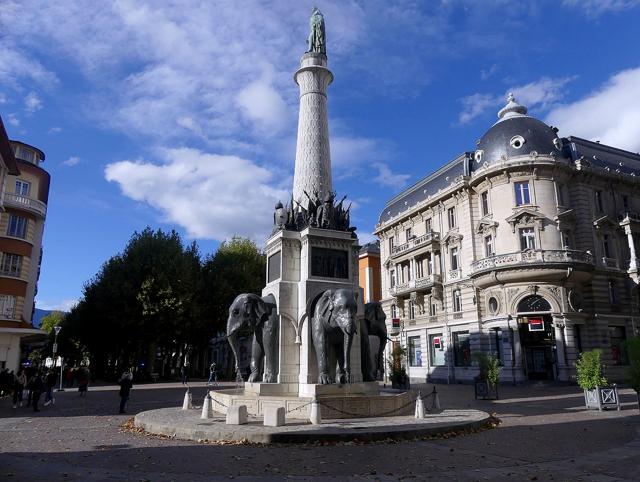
x=57 y=329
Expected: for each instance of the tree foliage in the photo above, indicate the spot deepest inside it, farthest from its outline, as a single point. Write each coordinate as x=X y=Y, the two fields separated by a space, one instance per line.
x=157 y=298
x=53 y=319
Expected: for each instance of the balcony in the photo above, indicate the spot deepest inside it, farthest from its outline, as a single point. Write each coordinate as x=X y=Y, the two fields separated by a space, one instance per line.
x=532 y=257
x=420 y=284
x=18 y=201
x=424 y=240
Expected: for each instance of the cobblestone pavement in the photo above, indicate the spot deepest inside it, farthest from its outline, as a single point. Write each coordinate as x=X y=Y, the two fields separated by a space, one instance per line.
x=546 y=435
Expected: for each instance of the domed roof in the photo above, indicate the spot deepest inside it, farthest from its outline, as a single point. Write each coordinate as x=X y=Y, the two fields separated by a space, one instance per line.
x=516 y=134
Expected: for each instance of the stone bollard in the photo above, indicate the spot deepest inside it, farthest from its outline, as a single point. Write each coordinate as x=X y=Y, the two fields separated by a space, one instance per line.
x=237 y=415
x=273 y=416
x=315 y=417
x=187 y=403
x=207 y=408
x=419 y=406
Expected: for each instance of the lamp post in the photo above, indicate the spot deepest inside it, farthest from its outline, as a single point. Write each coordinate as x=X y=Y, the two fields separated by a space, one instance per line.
x=57 y=329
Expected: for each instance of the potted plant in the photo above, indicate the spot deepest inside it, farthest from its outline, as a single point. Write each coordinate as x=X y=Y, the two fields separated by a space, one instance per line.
x=397 y=371
x=633 y=352
x=486 y=382
x=597 y=393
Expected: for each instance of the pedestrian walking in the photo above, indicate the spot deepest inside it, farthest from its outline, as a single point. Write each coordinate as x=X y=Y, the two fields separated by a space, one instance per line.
x=37 y=385
x=83 y=381
x=185 y=374
x=49 y=383
x=19 y=383
x=213 y=376
x=126 y=383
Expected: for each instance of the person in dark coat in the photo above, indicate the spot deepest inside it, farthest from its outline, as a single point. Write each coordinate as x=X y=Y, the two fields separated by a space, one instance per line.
x=37 y=386
x=126 y=383
x=83 y=381
x=50 y=383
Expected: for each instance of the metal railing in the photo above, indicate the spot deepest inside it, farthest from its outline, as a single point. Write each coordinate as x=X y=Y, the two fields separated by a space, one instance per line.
x=25 y=202
x=537 y=256
x=425 y=239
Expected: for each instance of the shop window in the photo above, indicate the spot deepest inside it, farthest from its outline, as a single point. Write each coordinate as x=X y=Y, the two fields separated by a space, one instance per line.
x=617 y=336
x=436 y=348
x=522 y=193
x=415 y=351
x=495 y=344
x=461 y=349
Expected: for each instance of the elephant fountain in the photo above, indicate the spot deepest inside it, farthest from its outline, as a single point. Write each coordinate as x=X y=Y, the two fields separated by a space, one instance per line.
x=374 y=324
x=249 y=314
x=333 y=327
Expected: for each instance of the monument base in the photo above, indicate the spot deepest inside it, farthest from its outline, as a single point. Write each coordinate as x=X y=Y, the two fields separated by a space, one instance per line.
x=270 y=389
x=336 y=390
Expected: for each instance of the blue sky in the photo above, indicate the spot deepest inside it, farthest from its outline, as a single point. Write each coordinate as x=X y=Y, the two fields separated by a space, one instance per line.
x=183 y=114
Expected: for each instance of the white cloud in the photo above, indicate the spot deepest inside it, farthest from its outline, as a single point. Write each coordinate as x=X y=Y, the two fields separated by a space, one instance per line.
x=72 y=161
x=539 y=95
x=386 y=177
x=16 y=65
x=32 y=102
x=209 y=195
x=3 y=98
x=475 y=105
x=54 y=130
x=487 y=74
x=609 y=114
x=598 y=7
x=60 y=305
x=261 y=103
x=13 y=120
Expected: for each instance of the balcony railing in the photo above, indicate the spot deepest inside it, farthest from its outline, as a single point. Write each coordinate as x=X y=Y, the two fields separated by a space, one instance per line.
x=424 y=283
x=25 y=202
x=425 y=239
x=532 y=257
x=610 y=262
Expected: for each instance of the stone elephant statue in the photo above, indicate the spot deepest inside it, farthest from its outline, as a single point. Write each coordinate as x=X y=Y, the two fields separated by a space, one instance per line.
x=374 y=324
x=333 y=326
x=249 y=314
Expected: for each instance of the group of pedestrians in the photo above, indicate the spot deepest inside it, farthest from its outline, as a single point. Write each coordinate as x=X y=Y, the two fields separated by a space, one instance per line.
x=30 y=386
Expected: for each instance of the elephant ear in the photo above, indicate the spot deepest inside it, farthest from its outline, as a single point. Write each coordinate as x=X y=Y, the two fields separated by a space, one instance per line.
x=325 y=303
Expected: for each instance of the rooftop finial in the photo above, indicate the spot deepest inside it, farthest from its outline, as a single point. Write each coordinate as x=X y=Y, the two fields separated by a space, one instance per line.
x=512 y=109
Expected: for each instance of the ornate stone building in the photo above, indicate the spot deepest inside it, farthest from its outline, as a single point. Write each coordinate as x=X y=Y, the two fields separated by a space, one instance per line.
x=524 y=248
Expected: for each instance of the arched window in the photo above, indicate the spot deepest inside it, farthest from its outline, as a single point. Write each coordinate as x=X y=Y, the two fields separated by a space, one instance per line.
x=532 y=304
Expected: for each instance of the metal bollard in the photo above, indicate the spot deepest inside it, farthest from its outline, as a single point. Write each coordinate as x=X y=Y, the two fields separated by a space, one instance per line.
x=315 y=417
x=436 y=399
x=187 y=403
x=419 y=406
x=207 y=409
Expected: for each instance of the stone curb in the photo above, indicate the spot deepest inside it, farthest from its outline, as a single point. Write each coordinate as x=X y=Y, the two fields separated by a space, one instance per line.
x=155 y=422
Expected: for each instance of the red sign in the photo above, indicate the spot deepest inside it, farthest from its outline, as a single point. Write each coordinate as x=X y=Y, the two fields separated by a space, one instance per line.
x=536 y=324
x=436 y=342
x=395 y=322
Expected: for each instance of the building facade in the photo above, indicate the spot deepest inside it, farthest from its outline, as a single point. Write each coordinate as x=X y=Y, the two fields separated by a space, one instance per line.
x=25 y=194
x=524 y=248
x=369 y=268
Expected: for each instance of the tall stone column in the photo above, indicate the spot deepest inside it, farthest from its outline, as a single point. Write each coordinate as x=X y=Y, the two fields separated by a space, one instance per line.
x=313 y=156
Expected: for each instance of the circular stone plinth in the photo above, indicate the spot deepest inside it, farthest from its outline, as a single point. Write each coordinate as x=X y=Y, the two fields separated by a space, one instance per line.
x=187 y=424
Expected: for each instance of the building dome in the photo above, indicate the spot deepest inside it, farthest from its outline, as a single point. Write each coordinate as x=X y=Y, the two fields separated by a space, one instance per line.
x=516 y=134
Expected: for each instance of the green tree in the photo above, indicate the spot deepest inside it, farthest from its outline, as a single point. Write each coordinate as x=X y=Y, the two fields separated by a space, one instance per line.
x=52 y=320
